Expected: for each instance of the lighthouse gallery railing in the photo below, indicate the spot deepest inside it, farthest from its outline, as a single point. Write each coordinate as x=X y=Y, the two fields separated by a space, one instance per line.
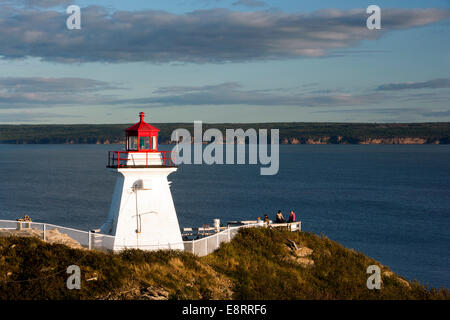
x=122 y=159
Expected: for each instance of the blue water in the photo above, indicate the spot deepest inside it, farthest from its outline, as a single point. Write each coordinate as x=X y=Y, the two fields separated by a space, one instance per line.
x=391 y=202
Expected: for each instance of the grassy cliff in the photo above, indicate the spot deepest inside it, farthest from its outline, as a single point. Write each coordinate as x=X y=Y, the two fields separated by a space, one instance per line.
x=257 y=264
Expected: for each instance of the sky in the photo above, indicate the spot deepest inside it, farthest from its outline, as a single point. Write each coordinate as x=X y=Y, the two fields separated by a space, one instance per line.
x=224 y=61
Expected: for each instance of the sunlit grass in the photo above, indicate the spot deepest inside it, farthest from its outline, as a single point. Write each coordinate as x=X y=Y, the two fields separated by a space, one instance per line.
x=257 y=264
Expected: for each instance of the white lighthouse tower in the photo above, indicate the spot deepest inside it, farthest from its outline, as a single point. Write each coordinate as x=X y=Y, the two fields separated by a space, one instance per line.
x=142 y=214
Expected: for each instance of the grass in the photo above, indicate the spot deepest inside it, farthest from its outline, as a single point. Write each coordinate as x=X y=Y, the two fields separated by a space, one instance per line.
x=257 y=264
x=256 y=260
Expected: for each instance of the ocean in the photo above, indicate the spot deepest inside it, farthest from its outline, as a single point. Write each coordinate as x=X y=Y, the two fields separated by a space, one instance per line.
x=391 y=202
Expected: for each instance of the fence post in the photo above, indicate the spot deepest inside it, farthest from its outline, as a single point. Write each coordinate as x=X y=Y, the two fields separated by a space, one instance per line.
x=89 y=239
x=44 y=229
x=229 y=235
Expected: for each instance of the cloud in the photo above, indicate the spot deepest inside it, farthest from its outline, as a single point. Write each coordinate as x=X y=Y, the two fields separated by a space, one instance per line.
x=39 y=92
x=431 y=84
x=27 y=116
x=232 y=93
x=38 y=3
x=22 y=92
x=400 y=113
x=385 y=111
x=202 y=36
x=249 y=3
x=436 y=114
x=41 y=84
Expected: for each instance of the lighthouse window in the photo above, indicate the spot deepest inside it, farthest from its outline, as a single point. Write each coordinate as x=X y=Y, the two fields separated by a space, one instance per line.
x=144 y=143
x=132 y=143
x=154 y=143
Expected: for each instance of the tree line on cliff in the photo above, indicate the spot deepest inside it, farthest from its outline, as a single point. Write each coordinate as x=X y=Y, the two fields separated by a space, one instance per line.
x=290 y=133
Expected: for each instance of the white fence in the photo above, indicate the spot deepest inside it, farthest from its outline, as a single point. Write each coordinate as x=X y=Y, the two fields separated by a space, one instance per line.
x=51 y=232
x=98 y=241
x=209 y=244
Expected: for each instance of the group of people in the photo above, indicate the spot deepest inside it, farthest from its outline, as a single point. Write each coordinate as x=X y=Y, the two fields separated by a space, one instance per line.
x=280 y=219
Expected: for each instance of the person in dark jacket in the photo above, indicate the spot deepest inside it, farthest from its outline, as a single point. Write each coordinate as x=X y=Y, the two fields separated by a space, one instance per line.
x=280 y=218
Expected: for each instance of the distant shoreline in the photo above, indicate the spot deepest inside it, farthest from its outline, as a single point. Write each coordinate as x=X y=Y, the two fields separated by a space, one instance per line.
x=394 y=141
x=290 y=133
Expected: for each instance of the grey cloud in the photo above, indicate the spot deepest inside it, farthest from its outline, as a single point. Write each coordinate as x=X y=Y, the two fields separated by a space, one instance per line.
x=436 y=114
x=232 y=93
x=226 y=86
x=395 y=112
x=38 y=92
x=22 y=92
x=22 y=116
x=431 y=84
x=249 y=3
x=41 y=84
x=203 y=36
x=38 y=3
x=29 y=100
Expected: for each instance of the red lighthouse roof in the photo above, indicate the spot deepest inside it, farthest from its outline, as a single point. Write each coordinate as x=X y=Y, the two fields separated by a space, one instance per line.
x=142 y=136
x=142 y=128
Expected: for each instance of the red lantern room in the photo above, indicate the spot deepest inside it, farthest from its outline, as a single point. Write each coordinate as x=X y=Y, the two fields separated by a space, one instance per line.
x=142 y=137
x=142 y=149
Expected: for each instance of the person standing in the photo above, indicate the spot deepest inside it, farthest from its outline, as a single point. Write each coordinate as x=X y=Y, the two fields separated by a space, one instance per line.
x=292 y=216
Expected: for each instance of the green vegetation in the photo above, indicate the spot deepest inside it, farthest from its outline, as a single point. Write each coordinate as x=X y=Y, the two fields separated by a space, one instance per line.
x=293 y=132
x=257 y=264
x=132 y=274
x=259 y=259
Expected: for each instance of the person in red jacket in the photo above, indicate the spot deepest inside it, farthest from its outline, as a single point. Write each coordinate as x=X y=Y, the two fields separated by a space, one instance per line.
x=292 y=216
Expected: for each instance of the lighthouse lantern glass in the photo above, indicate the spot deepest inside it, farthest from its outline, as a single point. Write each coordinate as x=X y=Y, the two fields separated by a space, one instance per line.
x=144 y=143
x=132 y=143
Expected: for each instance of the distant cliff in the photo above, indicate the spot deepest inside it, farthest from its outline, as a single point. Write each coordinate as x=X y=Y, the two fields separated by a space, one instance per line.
x=290 y=133
x=346 y=140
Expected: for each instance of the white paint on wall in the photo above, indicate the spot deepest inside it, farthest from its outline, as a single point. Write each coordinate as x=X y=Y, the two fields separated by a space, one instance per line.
x=142 y=213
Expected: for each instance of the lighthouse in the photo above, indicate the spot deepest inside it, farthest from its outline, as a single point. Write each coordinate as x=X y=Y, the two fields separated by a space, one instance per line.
x=142 y=213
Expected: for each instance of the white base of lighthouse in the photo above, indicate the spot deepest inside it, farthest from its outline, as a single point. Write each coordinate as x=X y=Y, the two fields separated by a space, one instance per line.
x=142 y=214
